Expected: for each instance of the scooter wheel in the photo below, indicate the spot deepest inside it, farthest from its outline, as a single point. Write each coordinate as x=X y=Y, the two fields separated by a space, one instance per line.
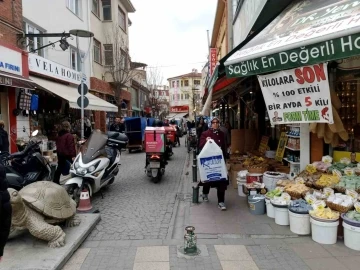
x=156 y=179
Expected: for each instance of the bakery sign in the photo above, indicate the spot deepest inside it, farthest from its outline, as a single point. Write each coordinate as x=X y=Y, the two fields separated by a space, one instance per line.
x=10 y=61
x=178 y=109
x=49 y=68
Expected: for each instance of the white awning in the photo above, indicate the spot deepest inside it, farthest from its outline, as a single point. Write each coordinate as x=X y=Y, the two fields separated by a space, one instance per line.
x=71 y=94
x=176 y=115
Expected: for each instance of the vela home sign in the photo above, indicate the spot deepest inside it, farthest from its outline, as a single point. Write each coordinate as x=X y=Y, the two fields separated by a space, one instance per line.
x=49 y=68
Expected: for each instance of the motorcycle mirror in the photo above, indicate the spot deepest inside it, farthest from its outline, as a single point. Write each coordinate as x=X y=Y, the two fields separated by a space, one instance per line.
x=34 y=133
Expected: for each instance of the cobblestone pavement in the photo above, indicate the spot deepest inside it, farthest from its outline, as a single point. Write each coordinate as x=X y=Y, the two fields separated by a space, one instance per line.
x=135 y=208
x=137 y=214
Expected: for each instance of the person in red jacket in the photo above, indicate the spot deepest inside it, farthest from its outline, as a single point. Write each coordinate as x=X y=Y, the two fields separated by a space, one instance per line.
x=66 y=152
x=219 y=137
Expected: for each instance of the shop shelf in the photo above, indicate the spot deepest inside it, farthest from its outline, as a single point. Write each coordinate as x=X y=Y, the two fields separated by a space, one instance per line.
x=291 y=162
x=292 y=149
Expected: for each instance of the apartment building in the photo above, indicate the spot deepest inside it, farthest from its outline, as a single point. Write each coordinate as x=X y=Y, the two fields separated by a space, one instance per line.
x=185 y=91
x=58 y=62
x=111 y=64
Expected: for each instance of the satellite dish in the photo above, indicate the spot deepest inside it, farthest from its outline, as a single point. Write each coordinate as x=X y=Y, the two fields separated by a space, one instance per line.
x=81 y=33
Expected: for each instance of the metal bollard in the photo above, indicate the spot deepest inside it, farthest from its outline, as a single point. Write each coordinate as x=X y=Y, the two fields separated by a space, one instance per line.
x=194 y=166
x=195 y=198
x=195 y=187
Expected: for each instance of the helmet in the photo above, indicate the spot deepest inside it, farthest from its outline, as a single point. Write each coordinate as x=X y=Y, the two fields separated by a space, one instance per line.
x=172 y=122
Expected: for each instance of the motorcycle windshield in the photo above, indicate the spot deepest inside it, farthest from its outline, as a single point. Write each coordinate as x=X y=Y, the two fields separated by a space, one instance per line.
x=94 y=147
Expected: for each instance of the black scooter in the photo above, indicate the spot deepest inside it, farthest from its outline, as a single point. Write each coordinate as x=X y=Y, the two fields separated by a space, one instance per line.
x=27 y=166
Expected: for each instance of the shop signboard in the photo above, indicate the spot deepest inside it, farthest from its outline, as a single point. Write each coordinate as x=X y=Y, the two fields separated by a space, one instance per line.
x=213 y=60
x=51 y=69
x=308 y=32
x=179 y=109
x=299 y=95
x=10 y=61
x=5 y=81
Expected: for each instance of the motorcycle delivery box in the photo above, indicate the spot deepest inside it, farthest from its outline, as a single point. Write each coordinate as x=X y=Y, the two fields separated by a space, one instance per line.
x=155 y=140
x=211 y=163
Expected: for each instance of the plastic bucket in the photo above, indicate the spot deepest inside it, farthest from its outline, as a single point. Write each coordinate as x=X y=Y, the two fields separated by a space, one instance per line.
x=351 y=236
x=254 y=177
x=269 y=209
x=300 y=223
x=270 y=179
x=240 y=188
x=256 y=204
x=324 y=232
x=281 y=216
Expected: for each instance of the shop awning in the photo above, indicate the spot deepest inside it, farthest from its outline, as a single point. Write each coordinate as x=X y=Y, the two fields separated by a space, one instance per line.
x=134 y=108
x=305 y=33
x=177 y=115
x=16 y=81
x=71 y=94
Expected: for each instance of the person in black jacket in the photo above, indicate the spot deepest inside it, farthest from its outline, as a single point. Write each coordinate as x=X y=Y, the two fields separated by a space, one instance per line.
x=4 y=138
x=118 y=125
x=5 y=210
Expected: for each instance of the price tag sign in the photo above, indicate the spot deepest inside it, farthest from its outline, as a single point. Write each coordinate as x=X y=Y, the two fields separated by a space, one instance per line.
x=299 y=95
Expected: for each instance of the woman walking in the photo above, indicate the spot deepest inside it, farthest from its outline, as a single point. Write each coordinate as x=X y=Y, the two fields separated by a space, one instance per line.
x=65 y=150
x=218 y=136
x=5 y=211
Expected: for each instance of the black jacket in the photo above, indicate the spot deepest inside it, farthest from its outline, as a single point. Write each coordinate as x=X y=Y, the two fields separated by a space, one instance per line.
x=5 y=210
x=4 y=141
x=118 y=127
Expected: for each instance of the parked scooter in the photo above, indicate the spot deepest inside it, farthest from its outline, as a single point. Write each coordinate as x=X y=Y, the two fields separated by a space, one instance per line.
x=27 y=166
x=97 y=164
x=156 y=152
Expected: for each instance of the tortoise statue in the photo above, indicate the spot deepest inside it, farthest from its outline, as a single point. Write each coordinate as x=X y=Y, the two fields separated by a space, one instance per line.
x=40 y=204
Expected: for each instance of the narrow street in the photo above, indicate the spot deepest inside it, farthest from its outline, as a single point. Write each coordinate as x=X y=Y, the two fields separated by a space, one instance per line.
x=133 y=207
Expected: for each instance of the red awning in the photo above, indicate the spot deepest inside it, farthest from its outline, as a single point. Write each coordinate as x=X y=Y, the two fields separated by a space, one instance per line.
x=16 y=81
x=222 y=83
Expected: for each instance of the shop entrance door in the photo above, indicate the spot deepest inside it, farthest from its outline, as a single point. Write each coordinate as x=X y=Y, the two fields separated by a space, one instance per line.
x=4 y=109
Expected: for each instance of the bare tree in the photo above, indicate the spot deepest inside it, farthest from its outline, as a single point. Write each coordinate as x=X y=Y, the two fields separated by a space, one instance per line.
x=154 y=81
x=117 y=62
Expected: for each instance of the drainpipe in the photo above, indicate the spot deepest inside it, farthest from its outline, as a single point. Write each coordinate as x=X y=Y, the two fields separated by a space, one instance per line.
x=88 y=13
x=230 y=16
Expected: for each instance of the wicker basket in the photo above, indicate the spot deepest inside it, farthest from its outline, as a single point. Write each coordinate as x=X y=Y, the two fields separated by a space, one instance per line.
x=258 y=168
x=317 y=186
x=309 y=184
x=340 y=189
x=339 y=208
x=294 y=195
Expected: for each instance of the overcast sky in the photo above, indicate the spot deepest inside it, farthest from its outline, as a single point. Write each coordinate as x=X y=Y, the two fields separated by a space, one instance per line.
x=171 y=33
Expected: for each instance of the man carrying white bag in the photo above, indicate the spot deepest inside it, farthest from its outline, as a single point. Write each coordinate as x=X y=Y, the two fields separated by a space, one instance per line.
x=211 y=163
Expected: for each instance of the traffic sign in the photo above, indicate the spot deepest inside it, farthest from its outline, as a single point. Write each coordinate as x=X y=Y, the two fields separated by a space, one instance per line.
x=86 y=89
x=86 y=102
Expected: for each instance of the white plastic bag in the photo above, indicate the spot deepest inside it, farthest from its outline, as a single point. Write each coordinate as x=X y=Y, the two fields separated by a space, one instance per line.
x=211 y=163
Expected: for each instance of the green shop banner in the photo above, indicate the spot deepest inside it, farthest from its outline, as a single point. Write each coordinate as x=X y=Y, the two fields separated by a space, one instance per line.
x=305 y=33
x=338 y=48
x=299 y=95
